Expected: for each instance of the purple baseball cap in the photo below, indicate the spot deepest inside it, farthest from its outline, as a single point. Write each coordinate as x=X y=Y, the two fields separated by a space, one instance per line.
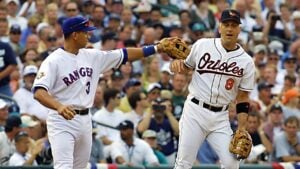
x=76 y=24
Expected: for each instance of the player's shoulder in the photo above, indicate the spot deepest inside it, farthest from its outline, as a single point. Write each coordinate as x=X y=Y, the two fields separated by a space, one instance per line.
x=206 y=41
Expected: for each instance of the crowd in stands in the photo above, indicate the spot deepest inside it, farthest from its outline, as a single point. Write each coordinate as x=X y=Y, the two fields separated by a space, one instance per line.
x=138 y=106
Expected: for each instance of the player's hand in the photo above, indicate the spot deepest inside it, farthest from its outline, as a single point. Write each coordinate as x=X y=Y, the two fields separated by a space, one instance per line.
x=66 y=111
x=177 y=66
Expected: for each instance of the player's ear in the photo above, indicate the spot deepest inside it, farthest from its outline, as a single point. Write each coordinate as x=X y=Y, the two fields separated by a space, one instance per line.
x=219 y=28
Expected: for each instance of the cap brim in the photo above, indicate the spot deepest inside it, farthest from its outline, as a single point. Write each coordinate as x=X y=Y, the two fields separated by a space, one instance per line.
x=90 y=28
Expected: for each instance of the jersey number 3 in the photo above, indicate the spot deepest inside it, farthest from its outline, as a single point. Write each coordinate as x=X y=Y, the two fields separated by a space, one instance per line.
x=88 y=86
x=229 y=84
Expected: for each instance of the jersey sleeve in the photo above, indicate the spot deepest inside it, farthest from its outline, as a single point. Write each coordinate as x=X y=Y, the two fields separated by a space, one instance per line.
x=46 y=76
x=190 y=61
x=248 y=80
x=109 y=59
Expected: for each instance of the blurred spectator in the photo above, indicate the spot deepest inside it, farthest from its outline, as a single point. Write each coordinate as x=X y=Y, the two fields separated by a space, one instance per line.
x=287 y=147
x=198 y=31
x=33 y=21
x=131 y=86
x=32 y=42
x=114 y=22
x=14 y=39
x=168 y=11
x=97 y=154
x=263 y=98
x=126 y=70
x=3 y=114
x=110 y=116
x=97 y=18
x=291 y=101
x=138 y=102
x=165 y=80
x=271 y=127
x=289 y=65
x=117 y=80
x=153 y=91
x=11 y=129
x=179 y=93
x=21 y=156
x=269 y=75
x=150 y=137
x=125 y=33
x=71 y=9
x=24 y=96
x=3 y=25
x=130 y=150
x=87 y=8
x=151 y=72
x=296 y=25
x=204 y=15
x=161 y=119
x=109 y=41
x=8 y=64
x=13 y=18
x=29 y=56
x=51 y=14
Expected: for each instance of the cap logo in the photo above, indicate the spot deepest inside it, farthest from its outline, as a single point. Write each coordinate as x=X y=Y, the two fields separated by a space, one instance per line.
x=232 y=14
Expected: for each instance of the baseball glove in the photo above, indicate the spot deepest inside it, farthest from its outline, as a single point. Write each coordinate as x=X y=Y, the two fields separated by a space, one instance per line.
x=241 y=144
x=175 y=47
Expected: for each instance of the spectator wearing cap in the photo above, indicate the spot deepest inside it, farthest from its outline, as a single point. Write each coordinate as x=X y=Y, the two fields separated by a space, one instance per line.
x=15 y=37
x=87 y=8
x=130 y=150
x=264 y=97
x=286 y=143
x=116 y=80
x=272 y=126
x=198 y=31
x=22 y=156
x=33 y=21
x=12 y=11
x=114 y=22
x=176 y=30
x=31 y=127
x=150 y=136
x=24 y=96
x=274 y=58
x=3 y=113
x=259 y=54
x=143 y=10
x=289 y=68
x=139 y=104
x=161 y=119
x=179 y=93
x=11 y=129
x=109 y=41
x=8 y=65
x=153 y=91
x=131 y=86
x=291 y=102
x=111 y=116
x=165 y=80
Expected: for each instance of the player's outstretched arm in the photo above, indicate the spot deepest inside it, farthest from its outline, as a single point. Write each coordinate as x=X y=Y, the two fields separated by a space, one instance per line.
x=47 y=100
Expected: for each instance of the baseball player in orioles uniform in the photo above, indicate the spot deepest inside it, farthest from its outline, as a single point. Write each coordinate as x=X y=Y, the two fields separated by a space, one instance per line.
x=222 y=73
x=66 y=84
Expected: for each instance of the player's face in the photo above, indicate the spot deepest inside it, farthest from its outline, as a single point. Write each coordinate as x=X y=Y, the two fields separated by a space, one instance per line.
x=81 y=38
x=229 y=31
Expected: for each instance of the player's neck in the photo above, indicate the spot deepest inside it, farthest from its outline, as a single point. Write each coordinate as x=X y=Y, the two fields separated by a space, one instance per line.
x=70 y=48
x=230 y=46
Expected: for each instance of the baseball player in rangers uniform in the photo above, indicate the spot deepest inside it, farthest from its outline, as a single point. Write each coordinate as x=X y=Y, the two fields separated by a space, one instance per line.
x=222 y=73
x=66 y=84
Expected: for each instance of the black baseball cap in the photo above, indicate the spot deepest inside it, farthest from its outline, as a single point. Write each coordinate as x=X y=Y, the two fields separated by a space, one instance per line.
x=264 y=85
x=275 y=107
x=231 y=15
x=14 y=121
x=126 y=124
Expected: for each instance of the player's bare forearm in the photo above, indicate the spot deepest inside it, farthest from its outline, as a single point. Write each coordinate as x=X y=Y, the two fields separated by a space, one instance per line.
x=47 y=100
x=242 y=97
x=134 y=53
x=178 y=66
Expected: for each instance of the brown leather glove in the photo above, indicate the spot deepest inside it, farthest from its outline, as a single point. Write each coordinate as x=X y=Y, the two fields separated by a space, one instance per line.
x=241 y=144
x=175 y=47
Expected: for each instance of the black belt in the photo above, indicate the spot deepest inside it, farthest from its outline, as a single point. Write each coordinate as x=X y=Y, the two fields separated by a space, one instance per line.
x=82 y=112
x=209 y=107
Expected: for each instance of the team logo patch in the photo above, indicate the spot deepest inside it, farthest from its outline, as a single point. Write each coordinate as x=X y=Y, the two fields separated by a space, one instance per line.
x=40 y=75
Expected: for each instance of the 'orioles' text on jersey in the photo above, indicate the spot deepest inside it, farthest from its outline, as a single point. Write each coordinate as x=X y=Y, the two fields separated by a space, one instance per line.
x=72 y=79
x=231 y=71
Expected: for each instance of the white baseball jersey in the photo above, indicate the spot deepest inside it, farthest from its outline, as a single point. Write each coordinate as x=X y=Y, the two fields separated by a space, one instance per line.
x=72 y=79
x=231 y=71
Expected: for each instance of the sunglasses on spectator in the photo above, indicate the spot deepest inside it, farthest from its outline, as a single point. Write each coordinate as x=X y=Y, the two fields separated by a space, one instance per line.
x=272 y=58
x=15 y=32
x=71 y=10
x=51 y=39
